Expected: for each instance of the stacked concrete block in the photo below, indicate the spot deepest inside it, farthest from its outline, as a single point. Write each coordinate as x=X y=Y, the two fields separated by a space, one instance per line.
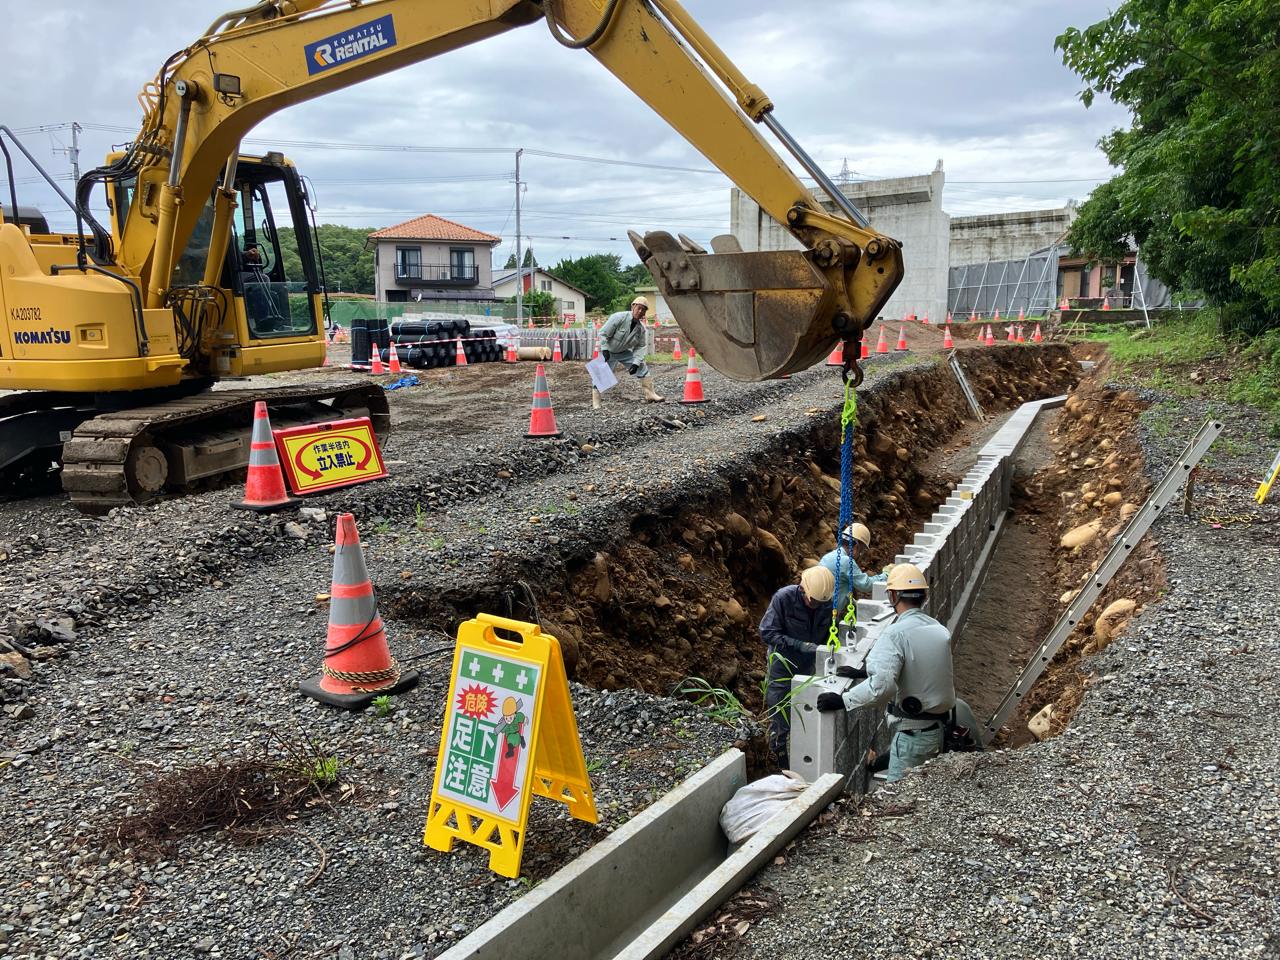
x=952 y=550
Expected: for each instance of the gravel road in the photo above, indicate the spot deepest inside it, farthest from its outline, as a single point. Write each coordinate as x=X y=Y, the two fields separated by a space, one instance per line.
x=1150 y=828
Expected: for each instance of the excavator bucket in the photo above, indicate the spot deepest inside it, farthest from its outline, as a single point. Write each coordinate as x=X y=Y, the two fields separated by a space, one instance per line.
x=752 y=316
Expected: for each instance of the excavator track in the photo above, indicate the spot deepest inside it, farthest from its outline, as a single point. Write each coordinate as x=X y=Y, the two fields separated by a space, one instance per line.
x=137 y=455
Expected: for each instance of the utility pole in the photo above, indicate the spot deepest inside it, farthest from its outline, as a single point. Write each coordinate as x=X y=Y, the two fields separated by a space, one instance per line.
x=519 y=263
x=73 y=151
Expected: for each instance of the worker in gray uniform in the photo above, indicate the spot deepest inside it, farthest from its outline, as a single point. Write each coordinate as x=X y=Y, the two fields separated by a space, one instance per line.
x=912 y=657
x=854 y=543
x=622 y=343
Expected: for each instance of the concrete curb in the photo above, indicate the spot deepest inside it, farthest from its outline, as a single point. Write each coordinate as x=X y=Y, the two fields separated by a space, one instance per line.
x=643 y=889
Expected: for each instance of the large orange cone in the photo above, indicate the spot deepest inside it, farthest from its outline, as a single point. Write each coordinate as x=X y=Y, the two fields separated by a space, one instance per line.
x=1009 y=331
x=675 y=353
x=1036 y=337
x=1020 y=338
x=358 y=665
x=375 y=354
x=264 y=488
x=692 y=383
x=513 y=355
x=394 y=357
x=1106 y=303
x=948 y=316
x=460 y=356
x=837 y=356
x=991 y=337
x=882 y=345
x=557 y=356
x=542 y=419
x=902 y=338
x=865 y=352
x=947 y=342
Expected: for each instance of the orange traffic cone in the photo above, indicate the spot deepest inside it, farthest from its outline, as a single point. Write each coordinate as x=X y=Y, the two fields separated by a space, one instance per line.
x=512 y=355
x=1106 y=303
x=1008 y=333
x=995 y=317
x=1022 y=315
x=991 y=337
x=882 y=345
x=836 y=359
x=595 y=353
x=925 y=318
x=676 y=354
x=326 y=354
x=375 y=355
x=556 y=355
x=692 y=383
x=1020 y=338
x=542 y=418
x=948 y=316
x=910 y=317
x=395 y=359
x=264 y=488
x=865 y=352
x=902 y=338
x=947 y=342
x=973 y=316
x=460 y=356
x=1036 y=336
x=358 y=665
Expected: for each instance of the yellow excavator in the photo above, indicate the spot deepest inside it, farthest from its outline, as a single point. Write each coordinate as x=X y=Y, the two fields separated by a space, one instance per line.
x=112 y=336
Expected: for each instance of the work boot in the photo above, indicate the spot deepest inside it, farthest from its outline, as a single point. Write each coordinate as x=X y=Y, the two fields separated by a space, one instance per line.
x=651 y=395
x=595 y=399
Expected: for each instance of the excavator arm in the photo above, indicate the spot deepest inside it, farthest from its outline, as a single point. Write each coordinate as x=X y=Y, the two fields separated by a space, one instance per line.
x=752 y=315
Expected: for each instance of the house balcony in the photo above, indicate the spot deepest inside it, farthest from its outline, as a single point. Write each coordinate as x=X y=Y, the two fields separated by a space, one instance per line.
x=437 y=275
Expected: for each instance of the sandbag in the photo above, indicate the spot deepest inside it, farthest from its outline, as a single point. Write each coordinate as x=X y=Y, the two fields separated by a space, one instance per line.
x=755 y=804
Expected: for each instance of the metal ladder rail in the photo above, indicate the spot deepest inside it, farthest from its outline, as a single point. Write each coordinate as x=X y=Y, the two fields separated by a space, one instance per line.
x=1120 y=550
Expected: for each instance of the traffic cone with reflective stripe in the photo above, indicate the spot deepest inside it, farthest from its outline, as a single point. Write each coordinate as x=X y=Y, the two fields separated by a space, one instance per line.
x=358 y=665
x=556 y=355
x=925 y=319
x=542 y=419
x=375 y=355
x=692 y=382
x=513 y=356
x=882 y=345
x=595 y=353
x=995 y=317
x=1036 y=336
x=676 y=354
x=902 y=338
x=973 y=316
x=1009 y=338
x=264 y=489
x=948 y=316
x=836 y=359
x=460 y=356
x=394 y=357
x=991 y=337
x=865 y=352
x=1106 y=303
x=1020 y=337
x=1022 y=315
x=947 y=342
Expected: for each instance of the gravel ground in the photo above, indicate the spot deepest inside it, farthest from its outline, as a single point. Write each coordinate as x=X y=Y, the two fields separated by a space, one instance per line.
x=1150 y=828
x=176 y=634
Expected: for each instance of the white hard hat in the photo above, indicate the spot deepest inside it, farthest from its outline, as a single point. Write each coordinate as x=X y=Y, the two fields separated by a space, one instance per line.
x=859 y=532
x=640 y=301
x=819 y=583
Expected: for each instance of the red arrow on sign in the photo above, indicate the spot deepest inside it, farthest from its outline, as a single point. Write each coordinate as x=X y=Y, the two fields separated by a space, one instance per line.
x=504 y=784
x=315 y=474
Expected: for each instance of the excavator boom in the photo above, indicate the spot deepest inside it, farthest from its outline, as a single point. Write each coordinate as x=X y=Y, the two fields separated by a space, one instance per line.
x=752 y=315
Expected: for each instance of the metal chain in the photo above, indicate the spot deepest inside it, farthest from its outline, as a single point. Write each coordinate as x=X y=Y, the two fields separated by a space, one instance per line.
x=848 y=424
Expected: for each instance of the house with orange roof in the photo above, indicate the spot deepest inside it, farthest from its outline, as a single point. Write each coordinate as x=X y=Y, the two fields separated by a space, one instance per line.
x=431 y=258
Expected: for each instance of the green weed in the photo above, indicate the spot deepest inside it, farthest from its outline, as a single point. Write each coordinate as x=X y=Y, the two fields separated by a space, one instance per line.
x=383 y=706
x=435 y=543
x=419 y=517
x=594 y=764
x=718 y=703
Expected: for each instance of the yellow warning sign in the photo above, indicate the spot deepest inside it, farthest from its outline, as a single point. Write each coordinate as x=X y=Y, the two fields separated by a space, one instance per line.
x=322 y=456
x=509 y=733
x=1264 y=488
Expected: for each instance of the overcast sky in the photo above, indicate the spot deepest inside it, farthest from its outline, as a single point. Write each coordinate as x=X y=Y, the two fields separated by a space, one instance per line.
x=889 y=88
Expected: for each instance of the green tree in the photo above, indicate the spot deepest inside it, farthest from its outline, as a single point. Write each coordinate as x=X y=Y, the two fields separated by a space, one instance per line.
x=511 y=261
x=539 y=303
x=1199 y=191
x=348 y=266
x=598 y=275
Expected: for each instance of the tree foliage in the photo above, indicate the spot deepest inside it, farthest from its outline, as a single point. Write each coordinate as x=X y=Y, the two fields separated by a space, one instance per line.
x=1199 y=191
x=601 y=276
x=528 y=260
x=348 y=266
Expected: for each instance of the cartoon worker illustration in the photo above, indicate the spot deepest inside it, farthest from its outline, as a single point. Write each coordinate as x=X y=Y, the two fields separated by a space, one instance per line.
x=510 y=724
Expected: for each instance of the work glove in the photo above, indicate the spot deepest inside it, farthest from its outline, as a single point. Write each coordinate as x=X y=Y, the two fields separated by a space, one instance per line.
x=887 y=568
x=809 y=647
x=633 y=369
x=851 y=673
x=828 y=702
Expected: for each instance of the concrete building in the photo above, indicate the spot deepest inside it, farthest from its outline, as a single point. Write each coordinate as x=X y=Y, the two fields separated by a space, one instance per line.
x=908 y=209
x=569 y=299
x=430 y=258
x=1007 y=236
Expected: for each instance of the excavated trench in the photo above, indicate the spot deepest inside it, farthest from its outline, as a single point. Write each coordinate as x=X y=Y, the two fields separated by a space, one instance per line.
x=678 y=590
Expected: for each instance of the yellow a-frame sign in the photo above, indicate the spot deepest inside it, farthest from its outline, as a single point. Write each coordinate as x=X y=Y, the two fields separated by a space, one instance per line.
x=1264 y=488
x=509 y=733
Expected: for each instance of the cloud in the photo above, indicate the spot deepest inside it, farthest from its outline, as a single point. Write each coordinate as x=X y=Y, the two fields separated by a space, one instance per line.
x=889 y=88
